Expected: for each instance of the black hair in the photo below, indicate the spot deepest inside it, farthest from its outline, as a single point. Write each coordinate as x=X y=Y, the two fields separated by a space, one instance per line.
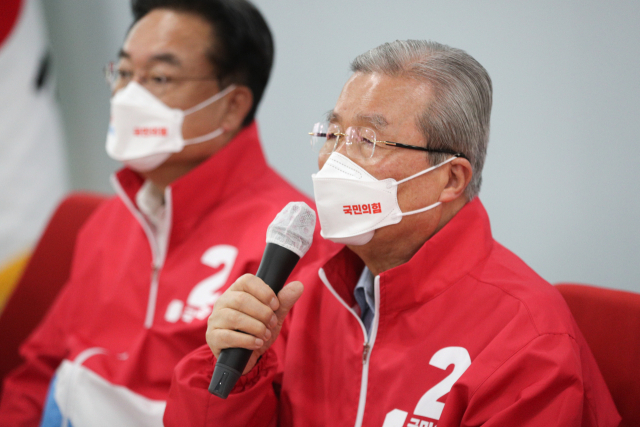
x=242 y=48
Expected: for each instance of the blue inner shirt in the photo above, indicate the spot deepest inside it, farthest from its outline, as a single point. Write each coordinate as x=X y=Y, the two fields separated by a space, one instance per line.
x=365 y=297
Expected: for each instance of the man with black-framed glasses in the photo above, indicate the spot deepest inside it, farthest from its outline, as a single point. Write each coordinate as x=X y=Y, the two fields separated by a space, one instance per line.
x=422 y=319
x=193 y=203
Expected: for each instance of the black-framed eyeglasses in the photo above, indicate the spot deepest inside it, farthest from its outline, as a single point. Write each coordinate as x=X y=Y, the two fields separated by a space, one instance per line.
x=360 y=141
x=155 y=82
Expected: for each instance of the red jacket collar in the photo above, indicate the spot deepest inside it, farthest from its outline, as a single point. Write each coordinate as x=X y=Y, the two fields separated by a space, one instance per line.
x=444 y=259
x=224 y=174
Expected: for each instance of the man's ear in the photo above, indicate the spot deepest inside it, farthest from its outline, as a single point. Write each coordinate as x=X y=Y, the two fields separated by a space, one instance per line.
x=460 y=173
x=239 y=103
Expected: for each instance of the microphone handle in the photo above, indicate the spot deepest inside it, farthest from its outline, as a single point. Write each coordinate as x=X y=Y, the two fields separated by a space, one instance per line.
x=276 y=266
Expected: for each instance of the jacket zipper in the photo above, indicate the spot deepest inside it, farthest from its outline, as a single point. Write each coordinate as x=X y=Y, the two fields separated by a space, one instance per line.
x=369 y=340
x=153 y=295
x=365 y=352
x=158 y=258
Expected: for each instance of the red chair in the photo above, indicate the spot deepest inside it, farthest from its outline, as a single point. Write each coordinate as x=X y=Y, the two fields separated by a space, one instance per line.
x=610 y=322
x=45 y=274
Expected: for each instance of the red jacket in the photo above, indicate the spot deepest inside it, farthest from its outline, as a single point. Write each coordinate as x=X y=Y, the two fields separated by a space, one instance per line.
x=128 y=315
x=465 y=334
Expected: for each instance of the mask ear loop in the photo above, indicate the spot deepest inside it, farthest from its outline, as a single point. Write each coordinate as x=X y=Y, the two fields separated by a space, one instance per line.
x=215 y=133
x=420 y=210
x=417 y=175
x=427 y=170
x=210 y=101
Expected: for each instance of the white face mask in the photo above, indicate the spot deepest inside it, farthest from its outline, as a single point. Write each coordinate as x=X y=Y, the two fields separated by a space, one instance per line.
x=352 y=203
x=144 y=132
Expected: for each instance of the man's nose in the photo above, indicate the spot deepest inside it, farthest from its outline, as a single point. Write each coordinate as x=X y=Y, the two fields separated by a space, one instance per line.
x=122 y=83
x=342 y=146
x=139 y=78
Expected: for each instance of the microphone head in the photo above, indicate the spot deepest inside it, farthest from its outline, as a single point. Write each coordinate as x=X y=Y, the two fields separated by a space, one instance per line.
x=293 y=228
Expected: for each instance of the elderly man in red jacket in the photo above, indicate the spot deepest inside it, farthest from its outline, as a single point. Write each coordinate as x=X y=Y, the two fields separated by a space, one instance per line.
x=423 y=319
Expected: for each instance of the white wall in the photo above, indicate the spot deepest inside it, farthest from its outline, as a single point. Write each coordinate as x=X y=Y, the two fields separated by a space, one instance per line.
x=560 y=182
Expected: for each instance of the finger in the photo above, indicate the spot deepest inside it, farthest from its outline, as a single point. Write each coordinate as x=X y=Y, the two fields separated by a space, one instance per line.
x=219 y=339
x=255 y=286
x=243 y=303
x=231 y=319
x=252 y=362
x=288 y=297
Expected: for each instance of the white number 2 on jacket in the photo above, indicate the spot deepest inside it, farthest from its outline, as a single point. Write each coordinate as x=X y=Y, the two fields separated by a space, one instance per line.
x=428 y=405
x=205 y=293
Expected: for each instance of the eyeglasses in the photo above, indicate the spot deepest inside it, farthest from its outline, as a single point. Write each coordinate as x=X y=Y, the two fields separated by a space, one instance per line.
x=361 y=141
x=155 y=82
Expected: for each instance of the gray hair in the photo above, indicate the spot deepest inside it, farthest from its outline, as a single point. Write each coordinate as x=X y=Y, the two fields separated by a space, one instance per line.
x=458 y=118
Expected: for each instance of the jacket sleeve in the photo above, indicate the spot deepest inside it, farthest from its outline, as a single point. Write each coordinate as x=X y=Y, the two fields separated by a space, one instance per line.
x=253 y=401
x=545 y=383
x=25 y=388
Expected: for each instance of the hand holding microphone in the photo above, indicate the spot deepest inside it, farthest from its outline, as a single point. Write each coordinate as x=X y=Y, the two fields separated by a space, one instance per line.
x=248 y=317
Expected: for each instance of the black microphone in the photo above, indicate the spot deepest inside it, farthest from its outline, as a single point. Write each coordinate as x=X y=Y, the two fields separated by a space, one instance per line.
x=288 y=238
